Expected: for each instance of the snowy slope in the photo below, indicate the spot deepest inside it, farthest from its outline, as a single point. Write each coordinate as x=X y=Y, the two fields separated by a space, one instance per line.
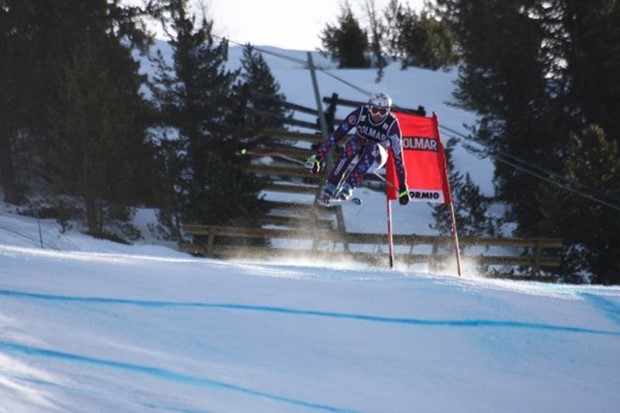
x=92 y=326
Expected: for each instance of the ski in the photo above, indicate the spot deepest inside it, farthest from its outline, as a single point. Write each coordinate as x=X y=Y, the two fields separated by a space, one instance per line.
x=334 y=202
x=355 y=200
x=272 y=154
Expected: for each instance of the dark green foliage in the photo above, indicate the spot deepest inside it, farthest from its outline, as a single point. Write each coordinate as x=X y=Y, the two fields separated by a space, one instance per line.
x=196 y=98
x=418 y=40
x=470 y=206
x=346 y=42
x=70 y=103
x=259 y=93
x=230 y=196
x=378 y=30
x=96 y=146
x=593 y=55
x=74 y=120
x=18 y=90
x=593 y=160
x=539 y=72
x=503 y=79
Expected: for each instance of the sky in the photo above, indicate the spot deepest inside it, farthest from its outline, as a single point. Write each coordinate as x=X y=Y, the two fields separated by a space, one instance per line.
x=288 y=24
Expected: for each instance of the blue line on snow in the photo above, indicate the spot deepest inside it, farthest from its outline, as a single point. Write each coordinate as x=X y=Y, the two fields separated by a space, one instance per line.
x=608 y=307
x=64 y=388
x=163 y=374
x=292 y=311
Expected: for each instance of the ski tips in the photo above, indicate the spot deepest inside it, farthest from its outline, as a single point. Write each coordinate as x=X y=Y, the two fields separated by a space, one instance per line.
x=334 y=202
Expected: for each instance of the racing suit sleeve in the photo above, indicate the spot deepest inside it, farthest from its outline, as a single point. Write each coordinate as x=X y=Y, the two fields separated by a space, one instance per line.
x=395 y=138
x=351 y=121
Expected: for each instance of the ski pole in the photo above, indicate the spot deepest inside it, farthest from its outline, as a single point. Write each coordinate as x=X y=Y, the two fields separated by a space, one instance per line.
x=273 y=154
x=385 y=180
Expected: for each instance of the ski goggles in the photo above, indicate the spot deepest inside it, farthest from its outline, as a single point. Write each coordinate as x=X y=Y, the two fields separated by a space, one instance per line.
x=378 y=111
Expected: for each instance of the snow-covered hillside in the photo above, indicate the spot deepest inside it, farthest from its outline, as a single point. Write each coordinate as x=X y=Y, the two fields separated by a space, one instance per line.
x=93 y=326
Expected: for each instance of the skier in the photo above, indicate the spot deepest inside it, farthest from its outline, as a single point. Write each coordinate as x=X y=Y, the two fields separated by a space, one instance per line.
x=376 y=129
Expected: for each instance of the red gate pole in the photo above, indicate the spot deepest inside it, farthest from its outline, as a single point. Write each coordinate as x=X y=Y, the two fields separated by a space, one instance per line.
x=455 y=239
x=389 y=231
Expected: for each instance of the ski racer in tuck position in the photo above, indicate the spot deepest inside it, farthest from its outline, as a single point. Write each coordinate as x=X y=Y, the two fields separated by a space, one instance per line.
x=376 y=130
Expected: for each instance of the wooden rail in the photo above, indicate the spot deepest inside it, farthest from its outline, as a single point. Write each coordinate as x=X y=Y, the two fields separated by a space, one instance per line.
x=220 y=241
x=281 y=170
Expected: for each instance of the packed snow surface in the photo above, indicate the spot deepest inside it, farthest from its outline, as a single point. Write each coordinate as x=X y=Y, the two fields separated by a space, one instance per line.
x=92 y=326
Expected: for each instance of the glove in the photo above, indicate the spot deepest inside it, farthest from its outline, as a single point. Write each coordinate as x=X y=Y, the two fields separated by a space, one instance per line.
x=313 y=164
x=403 y=195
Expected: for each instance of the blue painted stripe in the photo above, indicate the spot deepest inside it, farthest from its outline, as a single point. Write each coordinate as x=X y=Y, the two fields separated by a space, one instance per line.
x=609 y=308
x=96 y=393
x=164 y=374
x=313 y=313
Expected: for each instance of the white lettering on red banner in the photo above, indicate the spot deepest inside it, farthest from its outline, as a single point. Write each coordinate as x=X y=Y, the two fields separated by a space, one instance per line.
x=421 y=144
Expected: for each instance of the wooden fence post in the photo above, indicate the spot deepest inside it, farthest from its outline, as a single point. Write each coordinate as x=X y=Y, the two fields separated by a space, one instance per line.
x=210 y=241
x=537 y=258
x=434 y=261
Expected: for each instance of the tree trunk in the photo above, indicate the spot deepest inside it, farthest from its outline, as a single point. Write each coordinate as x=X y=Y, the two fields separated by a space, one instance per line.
x=92 y=217
x=12 y=192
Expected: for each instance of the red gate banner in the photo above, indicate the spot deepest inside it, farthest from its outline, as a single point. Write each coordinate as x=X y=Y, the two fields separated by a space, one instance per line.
x=424 y=159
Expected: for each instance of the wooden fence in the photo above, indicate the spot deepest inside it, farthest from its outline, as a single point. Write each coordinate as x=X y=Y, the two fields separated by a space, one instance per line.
x=495 y=256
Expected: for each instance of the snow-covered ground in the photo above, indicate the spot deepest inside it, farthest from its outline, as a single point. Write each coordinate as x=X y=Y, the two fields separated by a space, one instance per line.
x=93 y=326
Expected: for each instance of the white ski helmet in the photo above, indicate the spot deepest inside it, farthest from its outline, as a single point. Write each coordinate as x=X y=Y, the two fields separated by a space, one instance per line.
x=379 y=106
x=381 y=100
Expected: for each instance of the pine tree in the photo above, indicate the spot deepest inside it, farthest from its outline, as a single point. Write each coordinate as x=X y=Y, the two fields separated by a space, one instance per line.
x=470 y=205
x=593 y=160
x=538 y=72
x=378 y=30
x=346 y=43
x=261 y=99
x=196 y=97
x=8 y=97
x=592 y=52
x=97 y=149
x=48 y=50
x=19 y=93
x=503 y=78
x=418 y=40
